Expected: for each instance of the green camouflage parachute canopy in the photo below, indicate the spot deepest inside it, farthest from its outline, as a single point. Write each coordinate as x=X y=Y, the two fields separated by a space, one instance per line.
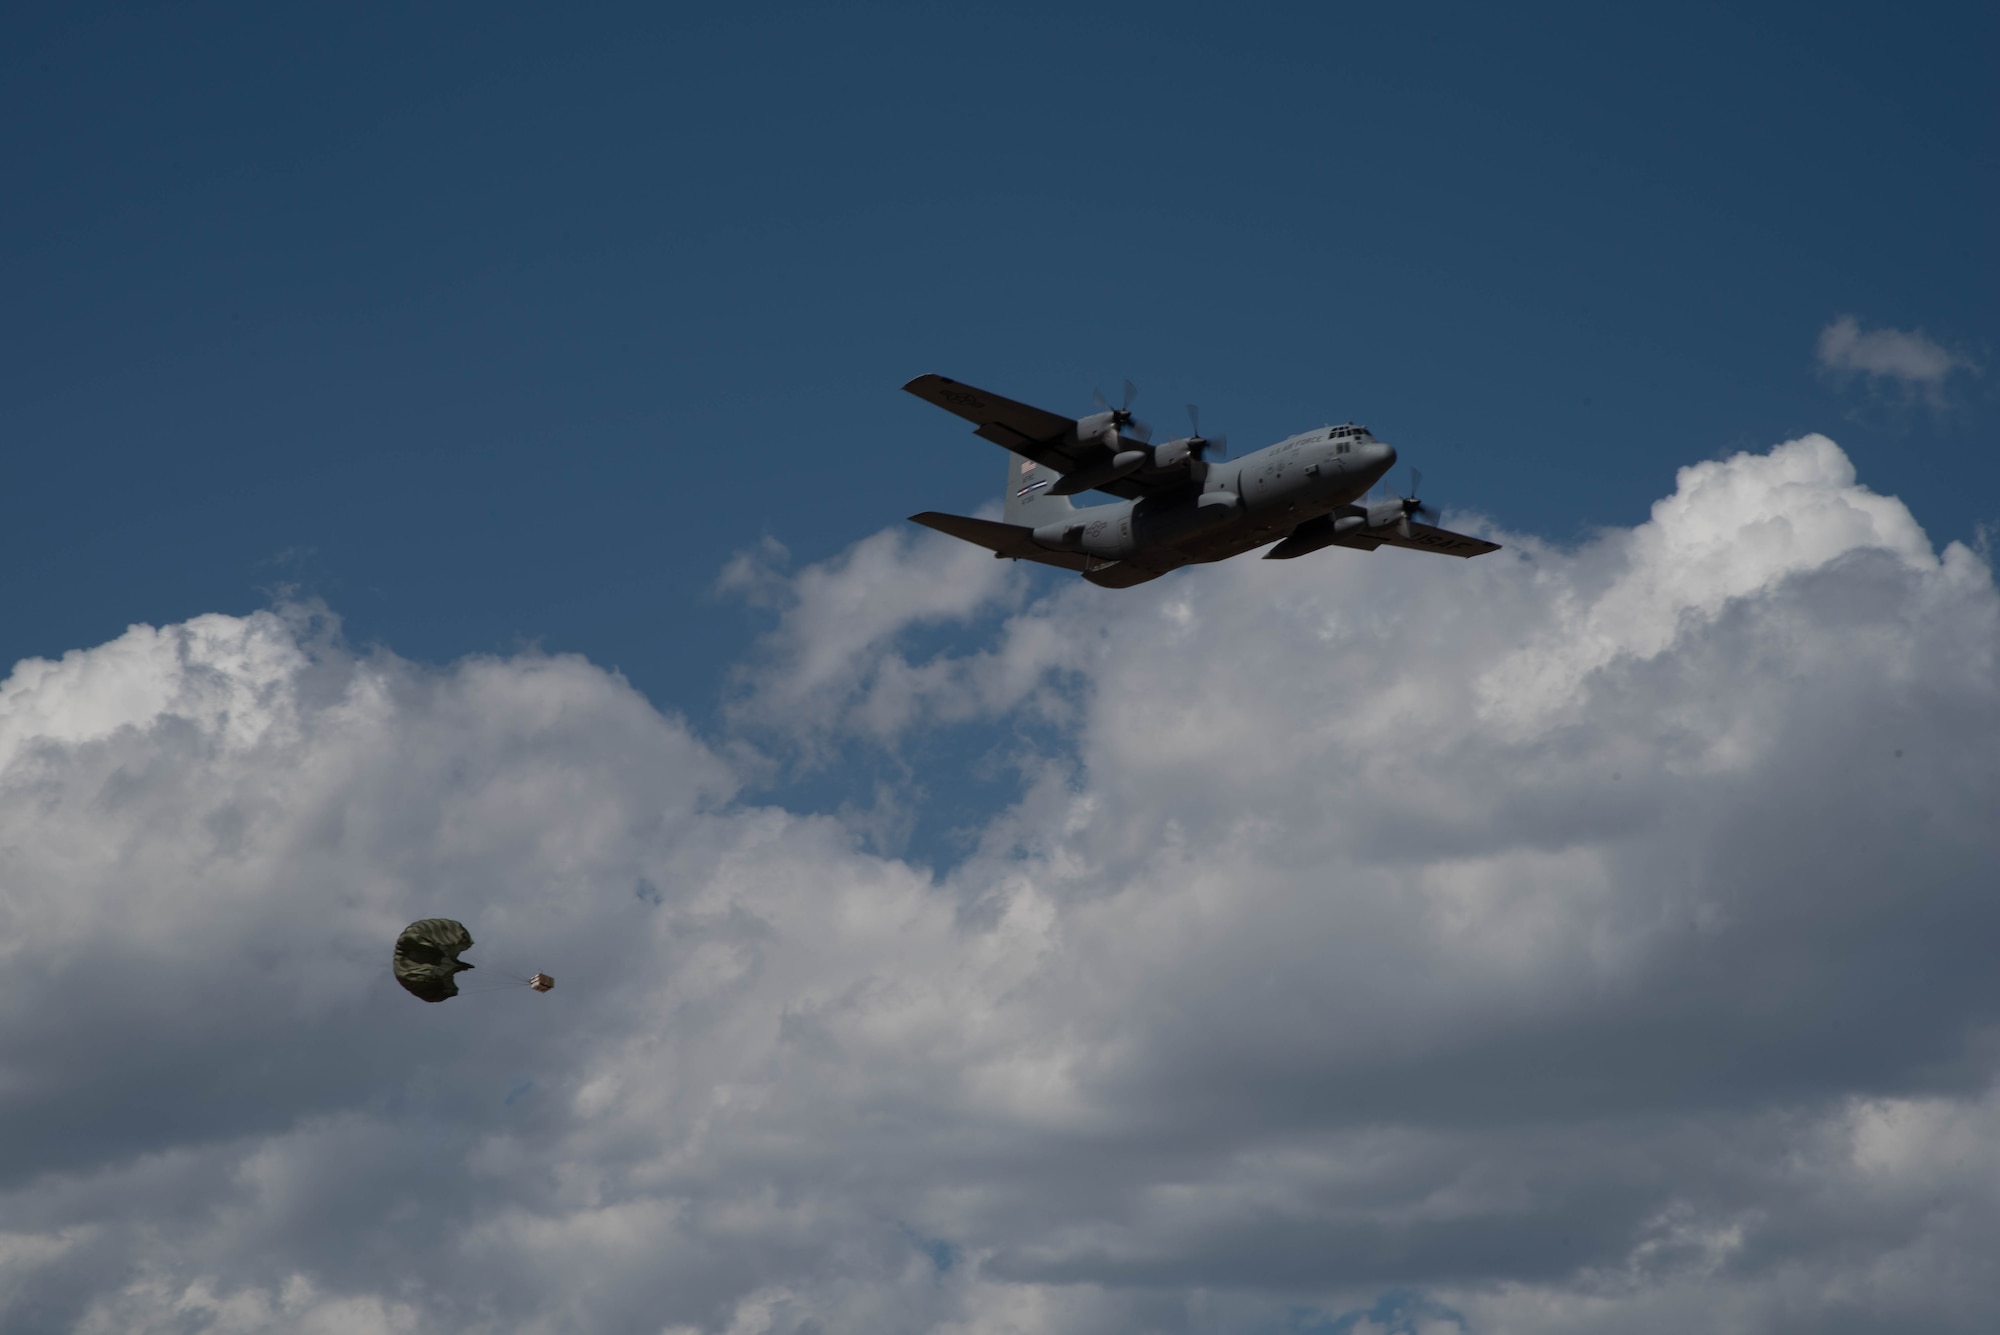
x=427 y=957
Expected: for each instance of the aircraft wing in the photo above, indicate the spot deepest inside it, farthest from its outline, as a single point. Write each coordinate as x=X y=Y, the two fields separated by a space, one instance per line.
x=1424 y=538
x=1030 y=432
x=1315 y=534
x=1001 y=539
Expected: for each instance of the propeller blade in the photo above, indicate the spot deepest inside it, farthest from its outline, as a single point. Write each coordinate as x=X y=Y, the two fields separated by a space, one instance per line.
x=1121 y=416
x=1209 y=446
x=1413 y=506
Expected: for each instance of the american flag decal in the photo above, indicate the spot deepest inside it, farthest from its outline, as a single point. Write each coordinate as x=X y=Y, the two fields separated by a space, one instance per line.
x=1027 y=467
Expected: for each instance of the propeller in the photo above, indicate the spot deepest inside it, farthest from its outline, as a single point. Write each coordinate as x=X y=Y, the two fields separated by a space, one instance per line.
x=1201 y=446
x=1413 y=506
x=1121 y=416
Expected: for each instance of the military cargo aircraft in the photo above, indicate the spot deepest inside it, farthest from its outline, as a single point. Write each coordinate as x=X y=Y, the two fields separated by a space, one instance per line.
x=1179 y=506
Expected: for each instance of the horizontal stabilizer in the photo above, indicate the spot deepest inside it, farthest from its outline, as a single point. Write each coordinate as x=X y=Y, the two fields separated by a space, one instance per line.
x=1013 y=540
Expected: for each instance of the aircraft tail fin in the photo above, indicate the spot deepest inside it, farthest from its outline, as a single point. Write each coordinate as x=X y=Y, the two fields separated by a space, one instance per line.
x=1028 y=501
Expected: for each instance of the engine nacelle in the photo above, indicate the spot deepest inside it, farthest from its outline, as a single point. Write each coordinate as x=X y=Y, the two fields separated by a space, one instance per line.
x=1171 y=454
x=1094 y=426
x=1384 y=513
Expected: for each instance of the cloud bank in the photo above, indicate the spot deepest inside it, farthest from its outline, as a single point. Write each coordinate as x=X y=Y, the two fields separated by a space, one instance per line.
x=1910 y=360
x=1559 y=941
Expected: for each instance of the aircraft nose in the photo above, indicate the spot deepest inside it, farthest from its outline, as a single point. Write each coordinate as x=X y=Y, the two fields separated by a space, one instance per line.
x=1381 y=455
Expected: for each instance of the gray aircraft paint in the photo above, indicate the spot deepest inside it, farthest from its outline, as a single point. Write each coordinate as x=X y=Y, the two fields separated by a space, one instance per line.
x=1180 y=508
x=1028 y=500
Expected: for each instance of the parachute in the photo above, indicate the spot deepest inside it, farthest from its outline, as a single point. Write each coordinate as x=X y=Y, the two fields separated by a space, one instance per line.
x=427 y=957
x=427 y=960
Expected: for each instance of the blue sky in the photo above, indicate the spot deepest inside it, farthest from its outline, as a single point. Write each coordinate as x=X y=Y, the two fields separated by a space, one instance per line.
x=487 y=421
x=495 y=325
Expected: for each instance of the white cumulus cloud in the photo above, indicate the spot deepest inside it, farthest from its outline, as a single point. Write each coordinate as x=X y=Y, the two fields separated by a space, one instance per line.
x=1562 y=940
x=1907 y=358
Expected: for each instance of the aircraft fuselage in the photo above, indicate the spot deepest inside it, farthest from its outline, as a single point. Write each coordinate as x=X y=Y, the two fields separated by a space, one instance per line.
x=1239 y=505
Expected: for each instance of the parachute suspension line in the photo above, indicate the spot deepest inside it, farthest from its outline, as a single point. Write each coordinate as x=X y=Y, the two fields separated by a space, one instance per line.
x=538 y=981
x=541 y=982
x=509 y=969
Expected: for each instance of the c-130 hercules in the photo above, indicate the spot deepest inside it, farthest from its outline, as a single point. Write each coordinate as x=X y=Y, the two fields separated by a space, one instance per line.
x=1179 y=508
